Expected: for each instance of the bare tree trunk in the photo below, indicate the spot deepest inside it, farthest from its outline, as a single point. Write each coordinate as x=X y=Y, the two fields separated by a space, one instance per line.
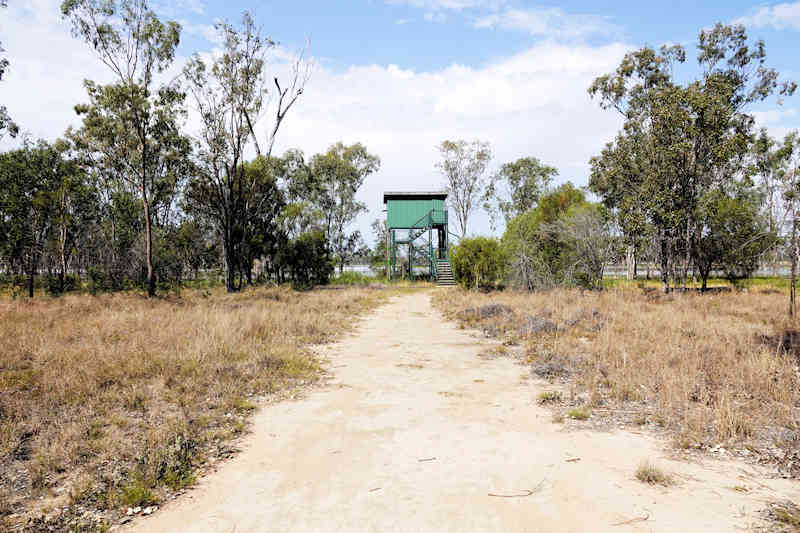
x=772 y=231
x=62 y=274
x=664 y=265
x=31 y=275
x=148 y=238
x=230 y=269
x=630 y=259
x=688 y=255
x=794 y=264
x=62 y=241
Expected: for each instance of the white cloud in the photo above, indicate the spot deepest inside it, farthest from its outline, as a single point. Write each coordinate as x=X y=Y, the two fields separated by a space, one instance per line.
x=532 y=103
x=449 y=4
x=778 y=121
x=778 y=16
x=774 y=116
x=174 y=8
x=540 y=21
x=204 y=31
x=552 y=21
x=48 y=66
x=435 y=16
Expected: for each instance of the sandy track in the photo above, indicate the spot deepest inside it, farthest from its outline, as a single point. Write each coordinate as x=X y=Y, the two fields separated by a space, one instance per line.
x=414 y=432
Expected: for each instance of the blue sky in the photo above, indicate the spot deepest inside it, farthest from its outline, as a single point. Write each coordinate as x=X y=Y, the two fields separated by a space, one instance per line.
x=400 y=76
x=426 y=35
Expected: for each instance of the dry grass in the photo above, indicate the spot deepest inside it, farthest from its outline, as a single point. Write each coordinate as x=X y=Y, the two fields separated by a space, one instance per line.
x=786 y=513
x=548 y=397
x=110 y=401
x=649 y=473
x=579 y=413
x=713 y=369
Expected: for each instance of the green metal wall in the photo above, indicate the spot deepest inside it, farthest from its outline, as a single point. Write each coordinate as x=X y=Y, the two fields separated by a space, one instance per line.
x=407 y=213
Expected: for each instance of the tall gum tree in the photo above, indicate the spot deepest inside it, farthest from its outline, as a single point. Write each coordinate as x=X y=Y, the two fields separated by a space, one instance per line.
x=787 y=159
x=30 y=179
x=7 y=124
x=330 y=182
x=516 y=188
x=689 y=137
x=463 y=165
x=132 y=126
x=231 y=94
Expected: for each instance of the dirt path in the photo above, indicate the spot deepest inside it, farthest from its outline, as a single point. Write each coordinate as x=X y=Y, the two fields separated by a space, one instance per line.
x=415 y=431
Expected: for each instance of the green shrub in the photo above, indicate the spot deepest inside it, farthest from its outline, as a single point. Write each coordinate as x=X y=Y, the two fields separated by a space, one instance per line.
x=136 y=494
x=565 y=241
x=579 y=413
x=353 y=278
x=307 y=259
x=478 y=262
x=546 y=397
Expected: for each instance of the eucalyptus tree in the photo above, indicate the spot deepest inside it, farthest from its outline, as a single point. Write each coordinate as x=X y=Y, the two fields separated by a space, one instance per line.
x=29 y=180
x=463 y=165
x=131 y=128
x=379 y=257
x=788 y=183
x=76 y=208
x=516 y=188
x=733 y=234
x=330 y=182
x=586 y=231
x=262 y=229
x=617 y=175
x=7 y=125
x=231 y=94
x=537 y=245
x=691 y=137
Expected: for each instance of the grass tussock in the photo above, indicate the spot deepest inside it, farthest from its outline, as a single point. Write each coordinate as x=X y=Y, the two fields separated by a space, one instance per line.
x=649 y=473
x=579 y=413
x=548 y=397
x=112 y=400
x=713 y=368
x=786 y=514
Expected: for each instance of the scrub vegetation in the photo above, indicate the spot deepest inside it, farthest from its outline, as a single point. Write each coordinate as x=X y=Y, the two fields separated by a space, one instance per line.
x=713 y=369
x=113 y=401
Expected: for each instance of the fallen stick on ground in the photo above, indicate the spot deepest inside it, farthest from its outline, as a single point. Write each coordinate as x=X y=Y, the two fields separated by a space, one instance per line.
x=523 y=494
x=633 y=520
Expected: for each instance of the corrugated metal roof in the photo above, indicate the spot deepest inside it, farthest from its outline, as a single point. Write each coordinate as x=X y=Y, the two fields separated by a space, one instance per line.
x=414 y=195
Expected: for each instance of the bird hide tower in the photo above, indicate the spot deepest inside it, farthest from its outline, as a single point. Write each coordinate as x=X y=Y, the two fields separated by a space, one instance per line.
x=419 y=220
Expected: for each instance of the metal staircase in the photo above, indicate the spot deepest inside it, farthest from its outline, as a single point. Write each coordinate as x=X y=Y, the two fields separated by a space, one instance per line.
x=445 y=277
x=420 y=241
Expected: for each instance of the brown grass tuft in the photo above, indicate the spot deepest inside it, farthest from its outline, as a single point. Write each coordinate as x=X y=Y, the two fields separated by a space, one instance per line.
x=785 y=513
x=649 y=473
